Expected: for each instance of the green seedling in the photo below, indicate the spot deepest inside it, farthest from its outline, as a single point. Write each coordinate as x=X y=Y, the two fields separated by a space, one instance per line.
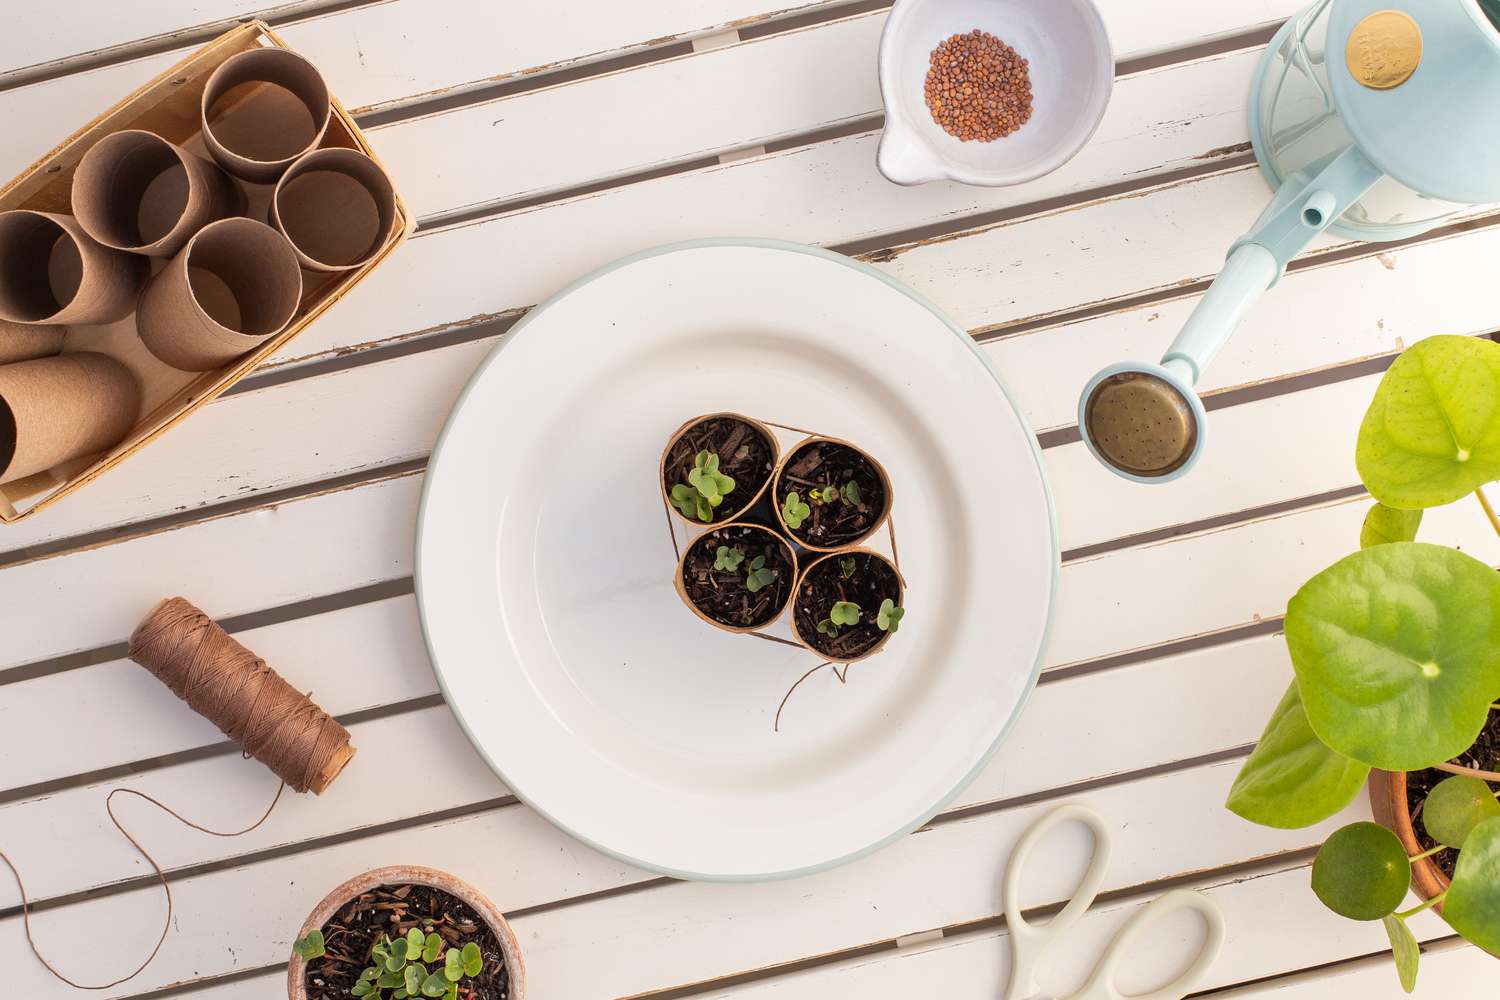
x=1396 y=650
x=888 y=618
x=794 y=511
x=417 y=965
x=847 y=566
x=705 y=489
x=851 y=494
x=843 y=613
x=729 y=559
x=310 y=947
x=827 y=494
x=759 y=575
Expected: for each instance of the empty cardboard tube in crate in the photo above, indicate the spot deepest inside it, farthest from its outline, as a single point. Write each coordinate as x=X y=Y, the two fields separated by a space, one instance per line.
x=172 y=106
x=52 y=272
x=24 y=341
x=54 y=410
x=235 y=285
x=335 y=206
x=137 y=192
x=279 y=112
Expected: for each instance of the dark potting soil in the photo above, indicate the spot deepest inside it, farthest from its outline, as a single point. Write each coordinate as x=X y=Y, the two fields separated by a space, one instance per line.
x=820 y=464
x=872 y=581
x=723 y=595
x=745 y=455
x=1484 y=755
x=355 y=929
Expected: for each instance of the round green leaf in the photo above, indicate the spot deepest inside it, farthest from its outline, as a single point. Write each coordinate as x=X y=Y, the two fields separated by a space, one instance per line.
x=1292 y=779
x=1384 y=525
x=1404 y=949
x=1397 y=652
x=1455 y=806
x=1361 y=872
x=1432 y=432
x=1472 y=905
x=473 y=959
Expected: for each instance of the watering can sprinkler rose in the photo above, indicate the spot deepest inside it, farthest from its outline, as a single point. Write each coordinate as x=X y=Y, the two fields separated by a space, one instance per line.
x=1371 y=118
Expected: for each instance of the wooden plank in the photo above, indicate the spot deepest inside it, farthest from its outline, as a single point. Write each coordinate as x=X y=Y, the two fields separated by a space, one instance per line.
x=1110 y=711
x=943 y=875
x=1450 y=968
x=351 y=660
x=352 y=537
x=1274 y=925
x=47 y=38
x=385 y=53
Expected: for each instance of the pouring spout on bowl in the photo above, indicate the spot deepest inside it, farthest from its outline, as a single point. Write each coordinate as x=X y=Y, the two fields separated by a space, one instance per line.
x=904 y=159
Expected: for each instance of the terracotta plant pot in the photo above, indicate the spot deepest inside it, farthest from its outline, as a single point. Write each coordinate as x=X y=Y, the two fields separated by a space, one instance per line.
x=780 y=489
x=710 y=538
x=412 y=875
x=1388 y=802
x=742 y=501
x=797 y=597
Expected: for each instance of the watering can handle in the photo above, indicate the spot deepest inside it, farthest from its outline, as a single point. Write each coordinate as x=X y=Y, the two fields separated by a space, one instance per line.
x=1302 y=209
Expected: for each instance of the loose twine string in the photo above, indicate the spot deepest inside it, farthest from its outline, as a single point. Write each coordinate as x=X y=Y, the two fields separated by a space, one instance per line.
x=249 y=702
x=842 y=675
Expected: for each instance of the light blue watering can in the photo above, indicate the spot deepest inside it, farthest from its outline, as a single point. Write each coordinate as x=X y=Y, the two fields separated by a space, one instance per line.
x=1377 y=120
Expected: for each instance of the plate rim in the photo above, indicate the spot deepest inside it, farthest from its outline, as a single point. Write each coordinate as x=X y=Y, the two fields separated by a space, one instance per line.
x=761 y=243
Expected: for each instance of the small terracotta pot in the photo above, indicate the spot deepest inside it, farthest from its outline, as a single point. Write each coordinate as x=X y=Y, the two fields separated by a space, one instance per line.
x=251 y=140
x=137 y=192
x=791 y=558
x=666 y=487
x=1388 y=802
x=778 y=494
x=336 y=207
x=837 y=554
x=411 y=875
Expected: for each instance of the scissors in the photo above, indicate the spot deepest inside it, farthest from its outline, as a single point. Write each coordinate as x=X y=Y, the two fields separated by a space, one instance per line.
x=1031 y=943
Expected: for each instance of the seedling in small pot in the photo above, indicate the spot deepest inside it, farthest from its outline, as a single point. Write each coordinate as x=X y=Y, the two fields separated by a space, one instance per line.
x=738 y=577
x=830 y=615
x=1396 y=650
x=716 y=466
x=834 y=495
x=794 y=510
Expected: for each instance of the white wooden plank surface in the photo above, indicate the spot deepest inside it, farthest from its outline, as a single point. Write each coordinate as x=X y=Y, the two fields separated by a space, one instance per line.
x=1109 y=711
x=945 y=874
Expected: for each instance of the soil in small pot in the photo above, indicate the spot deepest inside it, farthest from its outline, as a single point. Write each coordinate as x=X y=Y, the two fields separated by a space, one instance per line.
x=746 y=455
x=857 y=577
x=352 y=932
x=1483 y=755
x=723 y=594
x=812 y=469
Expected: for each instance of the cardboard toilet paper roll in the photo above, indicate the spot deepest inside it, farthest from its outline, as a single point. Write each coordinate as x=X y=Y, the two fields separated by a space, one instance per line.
x=53 y=410
x=23 y=341
x=136 y=191
x=233 y=286
x=336 y=206
x=52 y=272
x=278 y=110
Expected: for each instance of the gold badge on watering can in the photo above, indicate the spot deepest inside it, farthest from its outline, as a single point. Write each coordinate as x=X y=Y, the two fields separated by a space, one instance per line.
x=1384 y=49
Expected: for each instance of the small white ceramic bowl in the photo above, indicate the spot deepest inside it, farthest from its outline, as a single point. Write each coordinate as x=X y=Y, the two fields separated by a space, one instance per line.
x=1072 y=73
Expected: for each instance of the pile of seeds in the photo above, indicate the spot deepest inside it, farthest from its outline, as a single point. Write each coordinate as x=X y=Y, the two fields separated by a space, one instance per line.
x=977 y=87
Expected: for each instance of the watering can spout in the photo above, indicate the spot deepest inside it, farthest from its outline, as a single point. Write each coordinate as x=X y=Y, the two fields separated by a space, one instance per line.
x=1303 y=208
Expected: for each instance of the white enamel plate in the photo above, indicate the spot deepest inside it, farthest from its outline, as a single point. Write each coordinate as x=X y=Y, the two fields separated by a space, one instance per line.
x=544 y=564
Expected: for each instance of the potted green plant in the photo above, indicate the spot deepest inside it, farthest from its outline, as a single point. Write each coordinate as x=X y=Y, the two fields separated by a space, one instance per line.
x=848 y=605
x=830 y=494
x=738 y=577
x=406 y=932
x=1396 y=650
x=716 y=466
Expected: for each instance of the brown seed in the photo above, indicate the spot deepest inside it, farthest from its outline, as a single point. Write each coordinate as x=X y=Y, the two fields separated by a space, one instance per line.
x=977 y=87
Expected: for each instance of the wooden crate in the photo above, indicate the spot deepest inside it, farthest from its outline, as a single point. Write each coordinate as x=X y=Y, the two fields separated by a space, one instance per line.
x=169 y=106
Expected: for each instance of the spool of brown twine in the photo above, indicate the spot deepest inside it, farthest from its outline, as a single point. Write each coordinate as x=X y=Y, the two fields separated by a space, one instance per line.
x=237 y=691
x=249 y=702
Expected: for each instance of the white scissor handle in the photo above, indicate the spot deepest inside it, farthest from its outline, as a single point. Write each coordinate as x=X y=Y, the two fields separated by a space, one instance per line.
x=1101 y=985
x=1029 y=943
